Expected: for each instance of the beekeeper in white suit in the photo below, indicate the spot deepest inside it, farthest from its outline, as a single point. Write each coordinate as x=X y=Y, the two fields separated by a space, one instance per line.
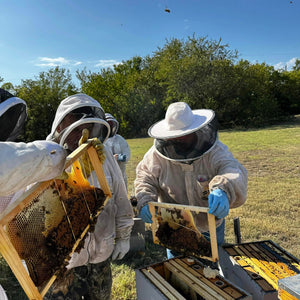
x=90 y=272
x=189 y=165
x=22 y=164
x=118 y=145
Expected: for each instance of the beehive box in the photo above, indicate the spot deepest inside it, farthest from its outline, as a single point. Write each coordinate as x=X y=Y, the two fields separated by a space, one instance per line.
x=41 y=230
x=183 y=278
x=257 y=267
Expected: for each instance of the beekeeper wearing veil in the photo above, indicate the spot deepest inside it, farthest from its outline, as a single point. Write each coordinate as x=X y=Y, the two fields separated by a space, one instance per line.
x=189 y=165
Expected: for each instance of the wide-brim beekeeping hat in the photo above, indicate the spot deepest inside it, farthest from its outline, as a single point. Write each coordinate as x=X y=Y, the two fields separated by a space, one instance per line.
x=180 y=120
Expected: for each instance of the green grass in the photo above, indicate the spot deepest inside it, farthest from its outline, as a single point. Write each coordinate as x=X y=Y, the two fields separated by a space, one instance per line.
x=123 y=276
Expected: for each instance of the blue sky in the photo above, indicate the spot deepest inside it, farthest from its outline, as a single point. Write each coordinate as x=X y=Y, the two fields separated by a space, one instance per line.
x=39 y=34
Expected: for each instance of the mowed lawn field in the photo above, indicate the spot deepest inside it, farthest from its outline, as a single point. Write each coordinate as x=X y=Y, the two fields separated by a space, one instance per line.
x=272 y=210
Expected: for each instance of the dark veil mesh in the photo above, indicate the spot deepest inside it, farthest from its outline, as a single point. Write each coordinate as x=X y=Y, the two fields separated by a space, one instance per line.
x=4 y=95
x=12 y=120
x=90 y=112
x=203 y=139
x=91 y=118
x=99 y=131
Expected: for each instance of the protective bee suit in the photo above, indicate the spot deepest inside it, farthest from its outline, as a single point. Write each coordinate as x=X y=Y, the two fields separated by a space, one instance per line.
x=173 y=171
x=118 y=145
x=2 y=294
x=22 y=164
x=113 y=227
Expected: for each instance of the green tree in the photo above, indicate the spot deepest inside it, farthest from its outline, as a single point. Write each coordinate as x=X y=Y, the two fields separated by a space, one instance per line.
x=129 y=91
x=296 y=67
x=198 y=71
x=205 y=74
x=43 y=96
x=289 y=99
x=257 y=103
x=9 y=87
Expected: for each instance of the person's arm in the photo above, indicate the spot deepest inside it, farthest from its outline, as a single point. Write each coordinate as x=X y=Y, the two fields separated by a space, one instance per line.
x=146 y=181
x=124 y=155
x=124 y=214
x=22 y=164
x=231 y=175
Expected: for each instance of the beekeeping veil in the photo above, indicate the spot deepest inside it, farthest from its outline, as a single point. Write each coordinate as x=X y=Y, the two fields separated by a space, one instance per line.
x=12 y=116
x=113 y=123
x=75 y=113
x=184 y=135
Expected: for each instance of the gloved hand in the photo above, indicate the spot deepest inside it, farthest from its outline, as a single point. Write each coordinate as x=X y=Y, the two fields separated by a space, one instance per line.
x=121 y=248
x=145 y=214
x=122 y=157
x=218 y=203
x=96 y=143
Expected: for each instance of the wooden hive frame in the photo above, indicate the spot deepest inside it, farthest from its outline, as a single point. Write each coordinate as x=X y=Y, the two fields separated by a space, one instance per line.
x=197 y=209
x=8 y=250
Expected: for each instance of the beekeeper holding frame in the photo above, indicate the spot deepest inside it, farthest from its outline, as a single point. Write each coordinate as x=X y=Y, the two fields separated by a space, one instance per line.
x=22 y=164
x=189 y=165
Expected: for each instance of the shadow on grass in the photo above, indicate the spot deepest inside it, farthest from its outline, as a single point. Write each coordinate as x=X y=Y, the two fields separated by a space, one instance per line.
x=10 y=283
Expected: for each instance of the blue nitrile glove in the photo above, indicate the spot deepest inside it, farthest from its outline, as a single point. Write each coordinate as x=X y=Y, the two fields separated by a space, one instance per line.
x=145 y=214
x=122 y=157
x=218 y=203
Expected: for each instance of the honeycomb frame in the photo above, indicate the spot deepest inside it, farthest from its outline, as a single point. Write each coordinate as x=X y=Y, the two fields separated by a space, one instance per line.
x=154 y=207
x=7 y=248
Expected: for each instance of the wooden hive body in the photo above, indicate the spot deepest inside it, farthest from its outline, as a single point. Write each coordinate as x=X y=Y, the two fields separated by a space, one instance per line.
x=183 y=278
x=258 y=266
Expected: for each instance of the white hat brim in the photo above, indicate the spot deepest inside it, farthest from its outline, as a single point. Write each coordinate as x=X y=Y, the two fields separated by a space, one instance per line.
x=201 y=118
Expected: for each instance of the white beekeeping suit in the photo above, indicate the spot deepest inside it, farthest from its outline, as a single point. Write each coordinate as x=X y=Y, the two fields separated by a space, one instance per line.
x=22 y=164
x=189 y=165
x=111 y=236
x=2 y=294
x=118 y=145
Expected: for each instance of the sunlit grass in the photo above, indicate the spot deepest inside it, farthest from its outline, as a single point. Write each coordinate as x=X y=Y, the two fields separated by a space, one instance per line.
x=123 y=279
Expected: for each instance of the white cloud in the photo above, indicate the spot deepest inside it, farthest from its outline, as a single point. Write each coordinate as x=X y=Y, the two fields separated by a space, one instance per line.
x=58 y=61
x=105 y=63
x=64 y=62
x=286 y=65
x=186 y=22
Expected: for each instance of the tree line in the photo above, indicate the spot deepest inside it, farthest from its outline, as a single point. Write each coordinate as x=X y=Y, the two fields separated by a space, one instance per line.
x=204 y=73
